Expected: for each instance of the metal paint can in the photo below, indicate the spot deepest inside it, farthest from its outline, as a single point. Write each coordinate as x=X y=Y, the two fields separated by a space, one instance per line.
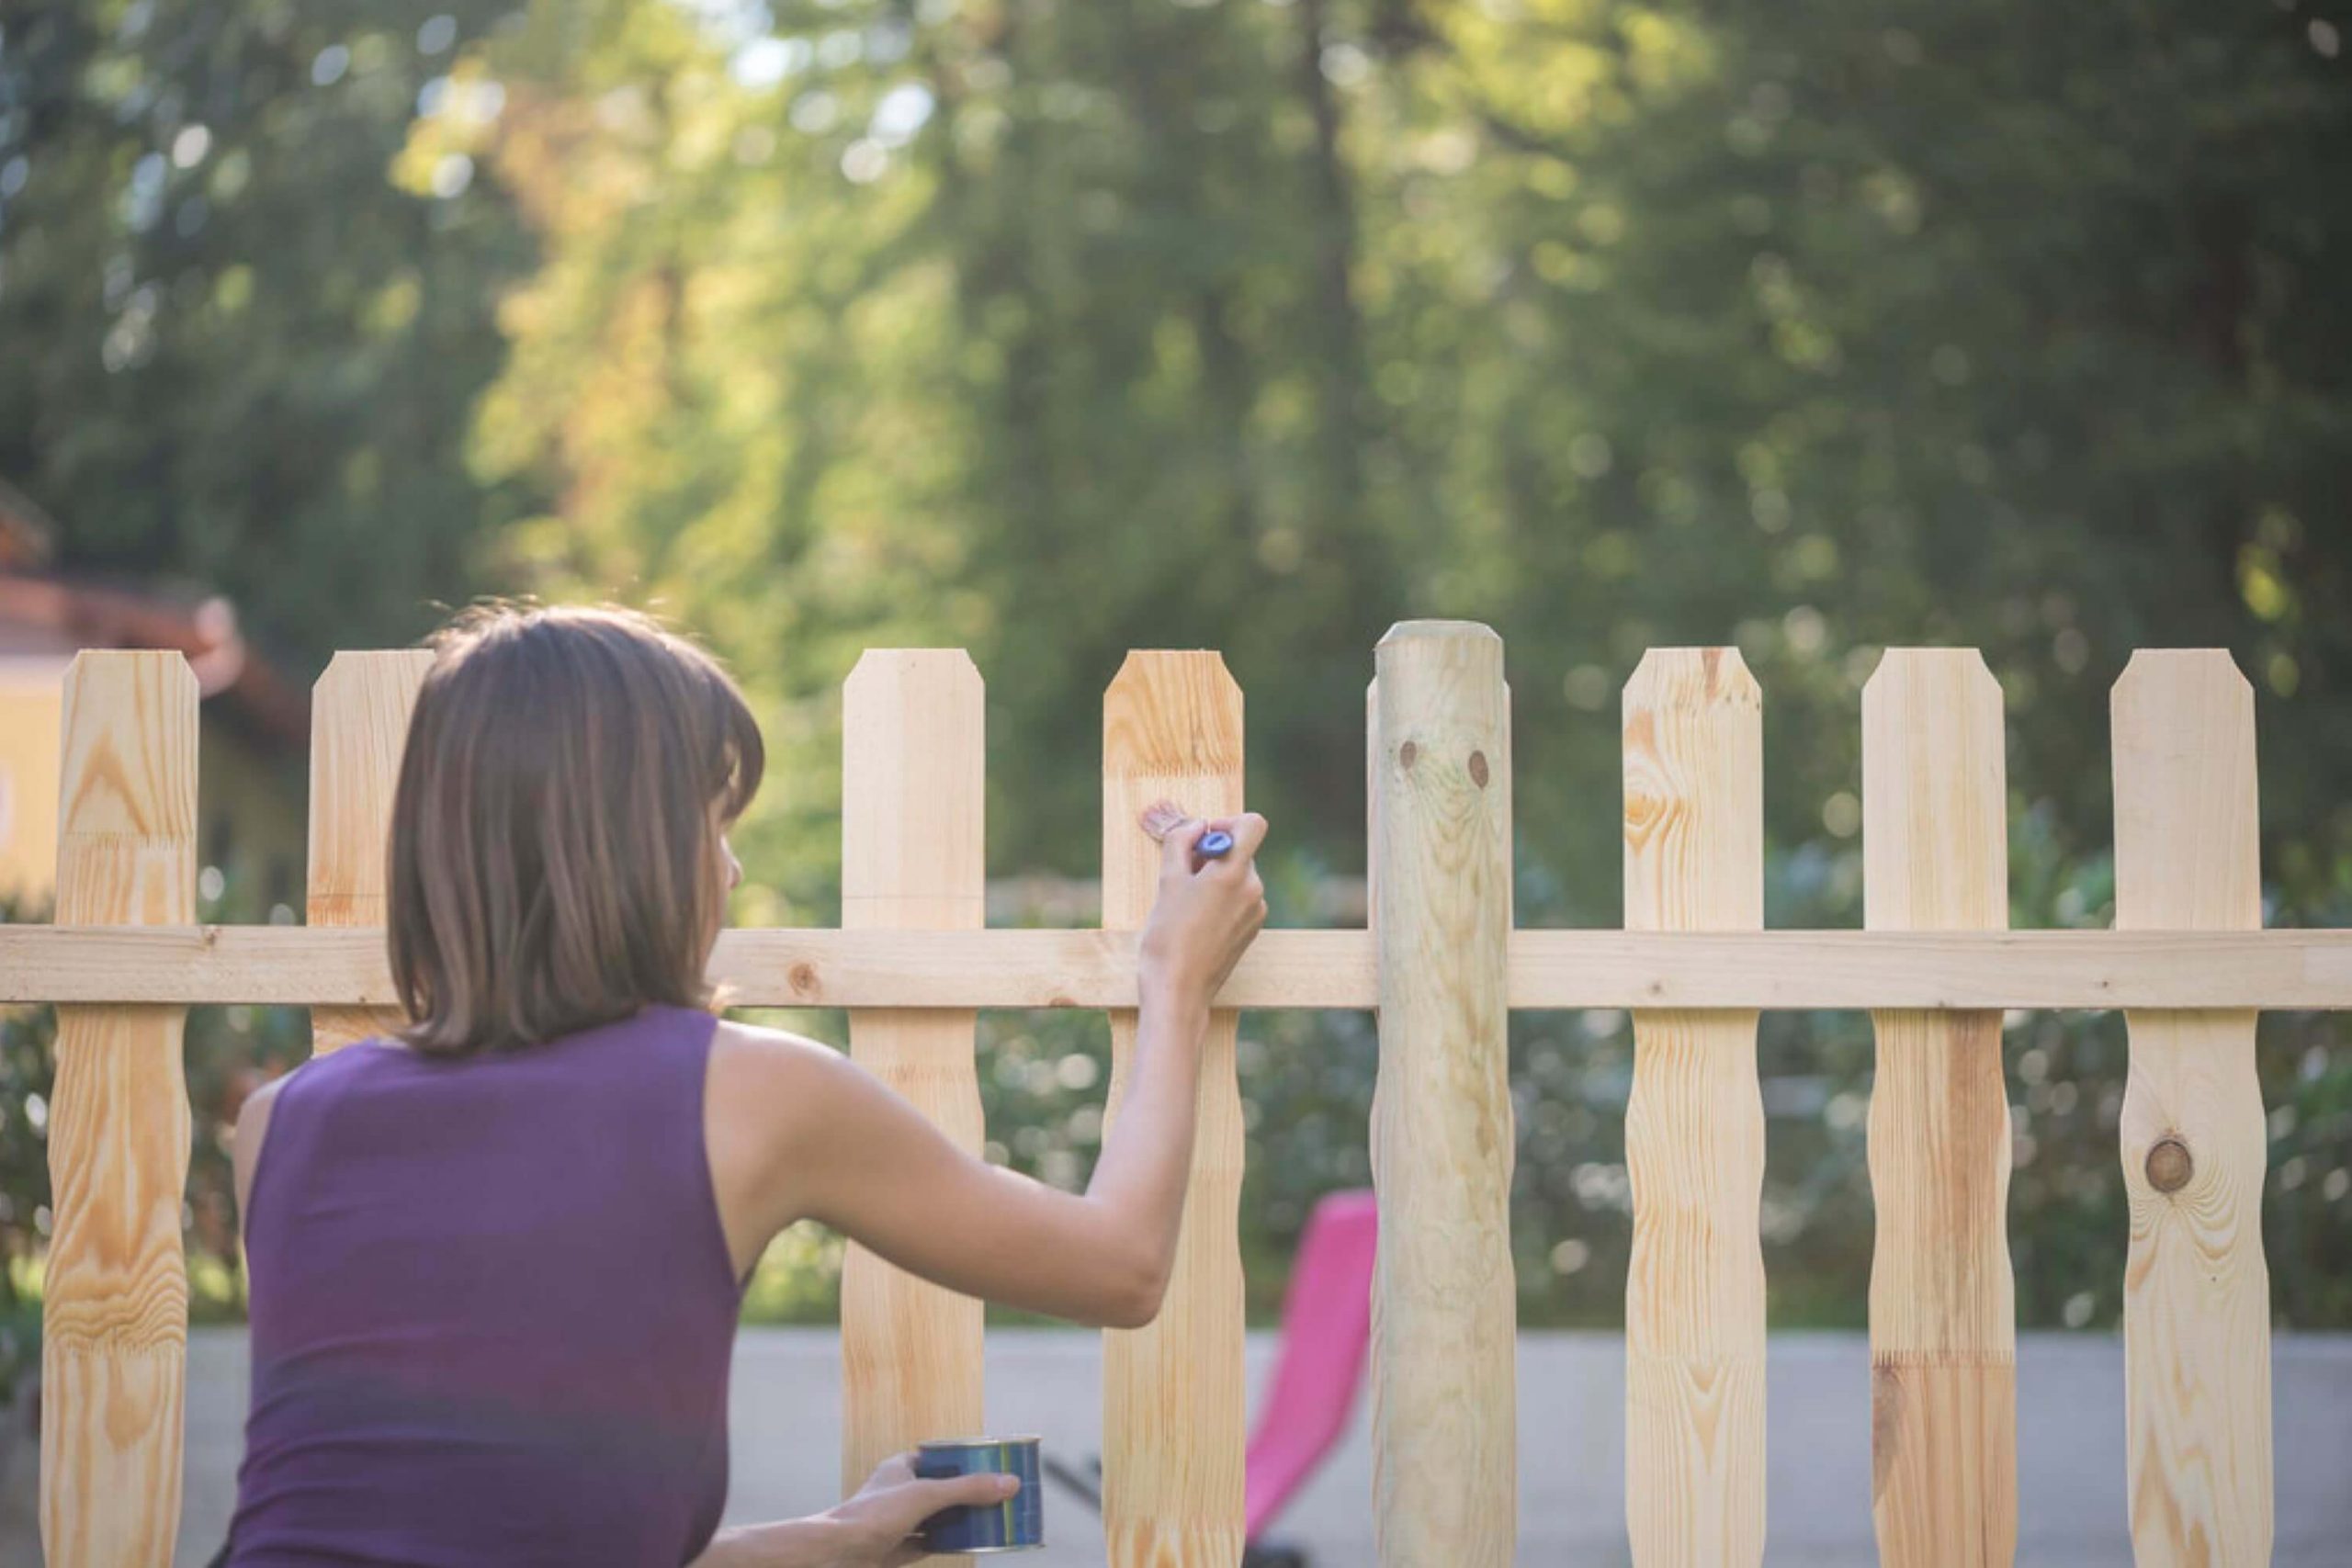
x=1017 y=1524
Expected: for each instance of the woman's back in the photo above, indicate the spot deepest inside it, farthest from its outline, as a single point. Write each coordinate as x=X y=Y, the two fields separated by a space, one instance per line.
x=493 y=1307
x=494 y=1290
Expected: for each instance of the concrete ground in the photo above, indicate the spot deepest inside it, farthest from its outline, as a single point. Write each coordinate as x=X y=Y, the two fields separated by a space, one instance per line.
x=1571 y=1393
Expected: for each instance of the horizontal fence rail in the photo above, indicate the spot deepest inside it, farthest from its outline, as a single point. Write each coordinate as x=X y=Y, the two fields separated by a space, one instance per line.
x=298 y=965
x=1442 y=965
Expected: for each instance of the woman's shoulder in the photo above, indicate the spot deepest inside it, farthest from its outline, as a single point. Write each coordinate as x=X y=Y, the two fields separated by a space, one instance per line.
x=253 y=1118
x=255 y=1111
x=261 y=1102
x=765 y=1088
x=766 y=1091
x=764 y=1060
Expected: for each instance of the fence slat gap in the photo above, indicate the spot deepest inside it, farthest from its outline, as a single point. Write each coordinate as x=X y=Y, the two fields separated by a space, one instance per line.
x=1943 y=1300
x=1694 y=1123
x=913 y=751
x=2197 y=1291
x=1444 y=1308
x=114 y=1311
x=359 y=713
x=1173 y=1430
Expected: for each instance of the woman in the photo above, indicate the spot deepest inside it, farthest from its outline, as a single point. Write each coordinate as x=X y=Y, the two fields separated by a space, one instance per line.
x=496 y=1261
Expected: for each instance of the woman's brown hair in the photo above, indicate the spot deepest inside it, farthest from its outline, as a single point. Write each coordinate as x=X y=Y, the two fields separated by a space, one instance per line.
x=554 y=856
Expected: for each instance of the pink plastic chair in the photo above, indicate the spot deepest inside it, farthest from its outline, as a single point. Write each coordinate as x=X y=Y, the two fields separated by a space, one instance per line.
x=1327 y=1327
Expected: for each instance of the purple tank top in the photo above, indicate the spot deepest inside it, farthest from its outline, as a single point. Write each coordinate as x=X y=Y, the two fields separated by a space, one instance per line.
x=492 y=1308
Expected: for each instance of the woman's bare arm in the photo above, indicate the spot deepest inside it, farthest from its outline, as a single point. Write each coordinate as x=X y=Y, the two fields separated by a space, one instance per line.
x=800 y=1132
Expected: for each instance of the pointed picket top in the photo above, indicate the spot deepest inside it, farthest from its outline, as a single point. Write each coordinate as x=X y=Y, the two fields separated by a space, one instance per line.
x=359 y=715
x=914 y=786
x=1171 y=711
x=1934 y=793
x=1172 y=726
x=129 y=751
x=2188 y=834
x=1694 y=792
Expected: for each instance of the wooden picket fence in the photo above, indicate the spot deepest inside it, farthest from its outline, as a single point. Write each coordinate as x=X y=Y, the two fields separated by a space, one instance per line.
x=1443 y=965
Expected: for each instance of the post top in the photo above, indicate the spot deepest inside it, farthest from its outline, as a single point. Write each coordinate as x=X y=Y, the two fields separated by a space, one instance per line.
x=1406 y=631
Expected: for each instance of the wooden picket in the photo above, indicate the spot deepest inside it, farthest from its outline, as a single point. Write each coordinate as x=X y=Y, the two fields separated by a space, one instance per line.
x=1943 y=1303
x=114 y=1304
x=1695 y=1125
x=912 y=760
x=1442 y=966
x=1172 y=1394
x=2196 y=1295
x=359 y=713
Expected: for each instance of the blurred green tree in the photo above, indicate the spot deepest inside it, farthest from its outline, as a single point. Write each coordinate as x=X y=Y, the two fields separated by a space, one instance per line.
x=237 y=354
x=1055 y=330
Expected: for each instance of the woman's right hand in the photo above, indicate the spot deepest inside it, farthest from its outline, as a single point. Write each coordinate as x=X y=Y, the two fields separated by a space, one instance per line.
x=1205 y=912
x=874 y=1529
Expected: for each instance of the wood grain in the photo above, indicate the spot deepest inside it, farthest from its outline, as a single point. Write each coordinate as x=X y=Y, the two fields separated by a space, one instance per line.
x=359 y=713
x=2196 y=1289
x=1444 y=1306
x=913 y=858
x=115 y=1302
x=1173 y=1430
x=1695 y=1125
x=1943 y=1300
x=1288 y=968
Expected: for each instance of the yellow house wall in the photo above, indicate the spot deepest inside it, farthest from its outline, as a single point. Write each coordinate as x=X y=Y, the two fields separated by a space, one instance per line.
x=31 y=701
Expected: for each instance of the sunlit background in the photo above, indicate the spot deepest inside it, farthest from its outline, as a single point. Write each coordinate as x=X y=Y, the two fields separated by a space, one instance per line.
x=1050 y=328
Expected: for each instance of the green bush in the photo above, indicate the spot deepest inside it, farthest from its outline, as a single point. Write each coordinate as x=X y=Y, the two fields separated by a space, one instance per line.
x=1307 y=1082
x=26 y=1034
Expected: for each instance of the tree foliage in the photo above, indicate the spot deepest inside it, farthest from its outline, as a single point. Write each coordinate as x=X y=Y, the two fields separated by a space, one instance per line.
x=238 y=353
x=1056 y=328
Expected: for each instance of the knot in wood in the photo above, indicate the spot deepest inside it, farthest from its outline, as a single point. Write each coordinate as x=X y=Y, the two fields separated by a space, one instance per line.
x=1406 y=753
x=1478 y=769
x=2169 y=1165
x=803 y=978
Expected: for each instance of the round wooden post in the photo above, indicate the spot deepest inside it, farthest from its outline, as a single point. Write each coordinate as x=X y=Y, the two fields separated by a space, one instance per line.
x=1445 y=1307
x=114 y=1312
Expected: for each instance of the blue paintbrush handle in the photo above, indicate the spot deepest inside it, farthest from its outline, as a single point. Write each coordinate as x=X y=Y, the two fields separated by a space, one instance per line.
x=1212 y=843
